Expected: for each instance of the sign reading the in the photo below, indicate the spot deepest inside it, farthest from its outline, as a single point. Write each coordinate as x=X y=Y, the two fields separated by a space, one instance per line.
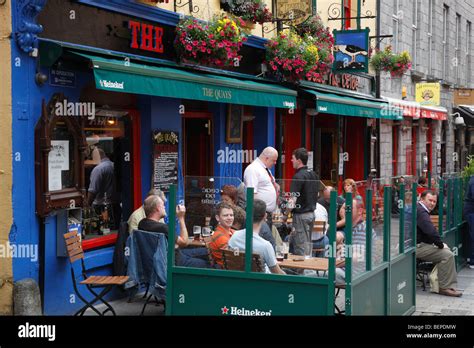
x=146 y=37
x=165 y=159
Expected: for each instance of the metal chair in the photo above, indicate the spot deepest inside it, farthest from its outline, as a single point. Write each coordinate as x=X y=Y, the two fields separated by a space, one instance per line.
x=75 y=253
x=423 y=270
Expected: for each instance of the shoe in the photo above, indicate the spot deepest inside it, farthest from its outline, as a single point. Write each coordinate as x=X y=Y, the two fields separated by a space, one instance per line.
x=471 y=266
x=450 y=292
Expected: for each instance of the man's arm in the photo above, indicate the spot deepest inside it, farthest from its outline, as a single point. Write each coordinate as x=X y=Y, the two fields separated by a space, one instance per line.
x=182 y=239
x=276 y=269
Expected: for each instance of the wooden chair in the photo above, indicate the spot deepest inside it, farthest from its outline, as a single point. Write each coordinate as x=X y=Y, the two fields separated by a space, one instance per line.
x=318 y=228
x=435 y=221
x=75 y=253
x=236 y=261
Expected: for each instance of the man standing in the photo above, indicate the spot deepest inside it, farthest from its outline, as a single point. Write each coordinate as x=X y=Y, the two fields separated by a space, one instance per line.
x=258 y=175
x=304 y=191
x=430 y=248
x=102 y=188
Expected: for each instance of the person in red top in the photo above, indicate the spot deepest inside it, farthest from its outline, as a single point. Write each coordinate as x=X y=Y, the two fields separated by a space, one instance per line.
x=223 y=232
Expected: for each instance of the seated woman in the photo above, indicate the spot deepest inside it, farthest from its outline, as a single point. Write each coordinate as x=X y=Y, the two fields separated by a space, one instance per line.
x=220 y=238
x=349 y=185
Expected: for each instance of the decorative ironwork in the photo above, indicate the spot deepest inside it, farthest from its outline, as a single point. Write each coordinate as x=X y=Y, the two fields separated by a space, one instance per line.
x=27 y=29
x=335 y=11
x=192 y=8
x=279 y=24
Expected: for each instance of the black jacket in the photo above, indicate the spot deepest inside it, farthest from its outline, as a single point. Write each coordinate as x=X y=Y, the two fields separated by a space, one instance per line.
x=425 y=230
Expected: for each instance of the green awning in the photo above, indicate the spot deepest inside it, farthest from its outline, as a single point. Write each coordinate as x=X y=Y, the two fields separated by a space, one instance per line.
x=349 y=106
x=125 y=76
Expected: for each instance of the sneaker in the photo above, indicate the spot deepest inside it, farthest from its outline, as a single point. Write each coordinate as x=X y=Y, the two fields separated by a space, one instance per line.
x=471 y=266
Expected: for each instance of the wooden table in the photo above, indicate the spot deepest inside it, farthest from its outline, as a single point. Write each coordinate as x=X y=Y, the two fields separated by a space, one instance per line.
x=314 y=263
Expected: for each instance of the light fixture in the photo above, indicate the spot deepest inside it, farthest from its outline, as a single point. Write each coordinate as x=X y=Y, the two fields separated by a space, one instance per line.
x=311 y=112
x=458 y=119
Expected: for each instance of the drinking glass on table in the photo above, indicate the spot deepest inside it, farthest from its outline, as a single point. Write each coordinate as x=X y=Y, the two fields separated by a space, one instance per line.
x=308 y=250
x=206 y=232
x=197 y=232
x=280 y=252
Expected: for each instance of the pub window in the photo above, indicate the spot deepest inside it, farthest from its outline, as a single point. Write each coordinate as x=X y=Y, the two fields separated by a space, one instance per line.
x=457 y=49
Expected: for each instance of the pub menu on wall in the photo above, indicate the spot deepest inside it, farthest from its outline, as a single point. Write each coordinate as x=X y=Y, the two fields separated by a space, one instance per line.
x=165 y=159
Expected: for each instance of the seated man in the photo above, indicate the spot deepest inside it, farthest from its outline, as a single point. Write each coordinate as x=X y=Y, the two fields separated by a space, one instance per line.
x=357 y=249
x=259 y=245
x=139 y=214
x=430 y=248
x=155 y=211
x=220 y=238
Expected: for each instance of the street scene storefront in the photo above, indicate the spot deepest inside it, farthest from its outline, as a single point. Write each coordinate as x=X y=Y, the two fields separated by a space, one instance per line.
x=114 y=114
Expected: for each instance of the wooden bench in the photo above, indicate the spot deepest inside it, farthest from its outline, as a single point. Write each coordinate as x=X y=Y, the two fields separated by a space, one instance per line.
x=435 y=220
x=235 y=261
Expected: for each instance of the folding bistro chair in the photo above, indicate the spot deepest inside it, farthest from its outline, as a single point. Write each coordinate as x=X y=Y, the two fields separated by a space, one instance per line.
x=75 y=252
x=236 y=261
x=319 y=228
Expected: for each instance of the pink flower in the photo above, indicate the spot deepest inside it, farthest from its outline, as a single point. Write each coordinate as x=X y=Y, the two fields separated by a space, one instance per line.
x=189 y=47
x=195 y=43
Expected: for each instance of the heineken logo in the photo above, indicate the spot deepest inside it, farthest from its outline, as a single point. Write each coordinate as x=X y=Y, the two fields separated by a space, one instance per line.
x=245 y=312
x=111 y=84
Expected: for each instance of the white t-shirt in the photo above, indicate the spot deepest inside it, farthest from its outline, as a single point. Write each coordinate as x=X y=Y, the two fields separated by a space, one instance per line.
x=256 y=176
x=320 y=213
x=259 y=246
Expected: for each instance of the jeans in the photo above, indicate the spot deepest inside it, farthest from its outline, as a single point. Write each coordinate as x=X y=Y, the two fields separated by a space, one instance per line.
x=321 y=244
x=193 y=257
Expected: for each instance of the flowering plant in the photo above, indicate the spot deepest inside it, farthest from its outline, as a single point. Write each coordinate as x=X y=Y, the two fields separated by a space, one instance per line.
x=215 y=43
x=292 y=57
x=386 y=60
x=255 y=11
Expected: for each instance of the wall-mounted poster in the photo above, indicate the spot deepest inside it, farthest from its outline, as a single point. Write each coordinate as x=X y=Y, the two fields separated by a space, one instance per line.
x=351 y=50
x=165 y=159
x=234 y=124
x=428 y=93
x=58 y=160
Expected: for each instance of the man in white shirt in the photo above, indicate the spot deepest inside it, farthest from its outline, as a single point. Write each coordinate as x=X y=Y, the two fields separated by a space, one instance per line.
x=259 y=245
x=258 y=176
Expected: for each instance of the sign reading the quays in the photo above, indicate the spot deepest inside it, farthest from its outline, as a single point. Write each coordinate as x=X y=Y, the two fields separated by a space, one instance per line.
x=217 y=93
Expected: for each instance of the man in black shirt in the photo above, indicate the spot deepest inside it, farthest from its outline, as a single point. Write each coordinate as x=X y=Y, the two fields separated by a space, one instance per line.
x=304 y=194
x=430 y=248
x=154 y=211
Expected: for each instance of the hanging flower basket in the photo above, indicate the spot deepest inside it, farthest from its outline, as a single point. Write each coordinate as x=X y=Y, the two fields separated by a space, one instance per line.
x=292 y=57
x=216 y=43
x=254 y=11
x=386 y=60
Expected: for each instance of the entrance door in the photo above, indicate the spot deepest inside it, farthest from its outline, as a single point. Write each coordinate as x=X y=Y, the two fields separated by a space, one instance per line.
x=198 y=166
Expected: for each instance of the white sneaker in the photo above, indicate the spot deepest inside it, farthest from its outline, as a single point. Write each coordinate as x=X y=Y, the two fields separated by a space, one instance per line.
x=471 y=266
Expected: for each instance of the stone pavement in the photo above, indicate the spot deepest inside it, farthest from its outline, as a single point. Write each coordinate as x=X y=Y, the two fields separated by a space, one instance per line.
x=428 y=303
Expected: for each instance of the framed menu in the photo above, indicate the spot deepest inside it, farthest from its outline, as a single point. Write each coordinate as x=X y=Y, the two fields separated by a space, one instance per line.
x=165 y=159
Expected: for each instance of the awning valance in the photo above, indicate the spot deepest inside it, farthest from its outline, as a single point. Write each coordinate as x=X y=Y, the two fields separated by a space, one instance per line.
x=435 y=113
x=125 y=76
x=358 y=107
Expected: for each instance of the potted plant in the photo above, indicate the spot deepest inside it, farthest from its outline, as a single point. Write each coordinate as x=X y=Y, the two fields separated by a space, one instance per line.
x=216 y=43
x=468 y=170
x=386 y=60
x=251 y=12
x=292 y=57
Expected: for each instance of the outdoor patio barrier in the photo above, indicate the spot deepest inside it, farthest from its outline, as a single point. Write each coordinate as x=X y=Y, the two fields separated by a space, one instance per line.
x=381 y=283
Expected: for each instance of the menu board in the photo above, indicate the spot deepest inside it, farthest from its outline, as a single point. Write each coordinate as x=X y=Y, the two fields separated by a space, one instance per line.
x=165 y=159
x=58 y=161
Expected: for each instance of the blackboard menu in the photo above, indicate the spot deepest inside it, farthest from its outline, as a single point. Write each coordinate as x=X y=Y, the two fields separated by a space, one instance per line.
x=165 y=159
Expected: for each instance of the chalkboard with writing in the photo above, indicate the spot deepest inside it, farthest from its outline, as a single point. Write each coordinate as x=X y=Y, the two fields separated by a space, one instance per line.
x=165 y=159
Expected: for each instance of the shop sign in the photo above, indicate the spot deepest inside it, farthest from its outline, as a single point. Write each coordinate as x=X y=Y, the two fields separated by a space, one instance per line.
x=346 y=81
x=295 y=10
x=146 y=37
x=217 y=94
x=62 y=78
x=165 y=159
x=464 y=96
x=428 y=94
x=351 y=50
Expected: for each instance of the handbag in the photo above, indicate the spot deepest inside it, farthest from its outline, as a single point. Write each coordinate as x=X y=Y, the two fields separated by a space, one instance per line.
x=434 y=285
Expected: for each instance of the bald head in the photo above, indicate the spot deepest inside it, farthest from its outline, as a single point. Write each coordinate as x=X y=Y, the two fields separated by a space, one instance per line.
x=269 y=157
x=327 y=192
